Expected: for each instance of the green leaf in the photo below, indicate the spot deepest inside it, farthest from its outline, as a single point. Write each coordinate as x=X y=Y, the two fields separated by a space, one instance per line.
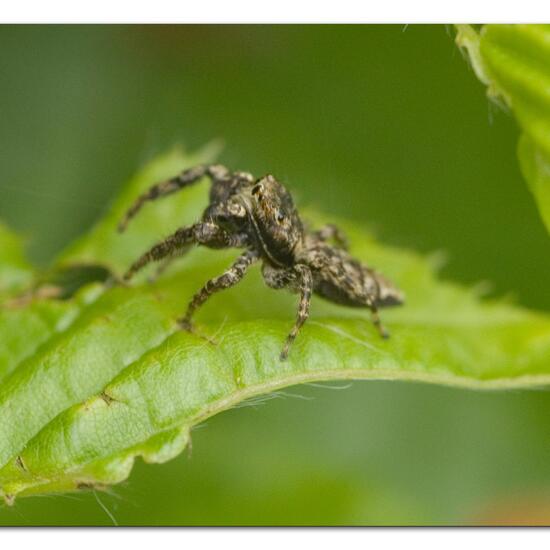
x=106 y=376
x=104 y=246
x=15 y=270
x=514 y=61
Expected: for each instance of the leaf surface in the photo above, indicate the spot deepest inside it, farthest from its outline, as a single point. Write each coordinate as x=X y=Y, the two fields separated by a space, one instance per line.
x=107 y=376
x=15 y=271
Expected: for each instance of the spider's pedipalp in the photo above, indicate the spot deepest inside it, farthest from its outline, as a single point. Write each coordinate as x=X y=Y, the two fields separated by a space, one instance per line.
x=332 y=232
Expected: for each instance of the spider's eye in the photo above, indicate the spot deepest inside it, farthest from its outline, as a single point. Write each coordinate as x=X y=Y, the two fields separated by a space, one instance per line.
x=280 y=217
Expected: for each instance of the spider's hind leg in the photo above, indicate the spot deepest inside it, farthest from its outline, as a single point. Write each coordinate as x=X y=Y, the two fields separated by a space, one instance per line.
x=377 y=323
x=332 y=232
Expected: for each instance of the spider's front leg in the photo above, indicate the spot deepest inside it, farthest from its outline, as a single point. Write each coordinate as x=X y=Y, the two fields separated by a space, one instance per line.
x=204 y=233
x=162 y=189
x=165 y=263
x=305 y=286
x=228 y=279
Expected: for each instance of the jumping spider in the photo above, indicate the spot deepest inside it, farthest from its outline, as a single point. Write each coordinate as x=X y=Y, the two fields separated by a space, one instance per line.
x=260 y=217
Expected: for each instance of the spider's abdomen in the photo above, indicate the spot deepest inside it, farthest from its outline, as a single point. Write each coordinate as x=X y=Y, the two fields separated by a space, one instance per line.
x=342 y=279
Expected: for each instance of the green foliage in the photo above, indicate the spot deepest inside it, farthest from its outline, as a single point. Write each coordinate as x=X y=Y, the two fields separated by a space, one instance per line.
x=15 y=271
x=513 y=60
x=92 y=381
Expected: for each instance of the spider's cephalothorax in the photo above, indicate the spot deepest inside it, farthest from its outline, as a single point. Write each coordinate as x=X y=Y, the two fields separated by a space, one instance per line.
x=259 y=216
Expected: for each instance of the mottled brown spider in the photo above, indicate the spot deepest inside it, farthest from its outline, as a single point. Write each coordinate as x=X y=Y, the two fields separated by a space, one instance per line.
x=259 y=216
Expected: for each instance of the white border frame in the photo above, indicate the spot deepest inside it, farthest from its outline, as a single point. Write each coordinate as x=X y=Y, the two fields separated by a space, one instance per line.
x=279 y=11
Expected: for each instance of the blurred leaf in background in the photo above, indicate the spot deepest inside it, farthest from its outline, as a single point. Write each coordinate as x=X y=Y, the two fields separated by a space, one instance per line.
x=375 y=123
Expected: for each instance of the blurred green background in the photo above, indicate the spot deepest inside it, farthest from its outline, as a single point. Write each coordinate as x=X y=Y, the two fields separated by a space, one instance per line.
x=383 y=124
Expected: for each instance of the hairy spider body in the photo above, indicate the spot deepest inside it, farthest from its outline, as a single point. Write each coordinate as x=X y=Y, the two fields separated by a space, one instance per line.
x=260 y=217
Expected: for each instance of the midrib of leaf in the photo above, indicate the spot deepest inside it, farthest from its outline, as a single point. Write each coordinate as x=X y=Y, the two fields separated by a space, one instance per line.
x=206 y=387
x=119 y=380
